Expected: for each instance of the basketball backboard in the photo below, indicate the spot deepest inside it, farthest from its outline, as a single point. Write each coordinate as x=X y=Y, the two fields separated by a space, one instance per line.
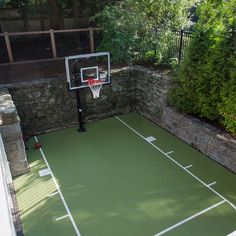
x=80 y=69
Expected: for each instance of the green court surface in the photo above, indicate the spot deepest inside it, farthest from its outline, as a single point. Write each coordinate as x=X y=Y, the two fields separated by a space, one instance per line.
x=111 y=181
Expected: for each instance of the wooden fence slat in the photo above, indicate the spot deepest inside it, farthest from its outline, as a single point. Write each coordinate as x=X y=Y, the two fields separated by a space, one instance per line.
x=91 y=40
x=53 y=43
x=76 y=30
x=8 y=45
x=48 y=31
x=27 y=33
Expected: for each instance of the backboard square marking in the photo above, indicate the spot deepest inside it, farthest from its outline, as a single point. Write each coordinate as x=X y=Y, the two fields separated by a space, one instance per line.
x=95 y=77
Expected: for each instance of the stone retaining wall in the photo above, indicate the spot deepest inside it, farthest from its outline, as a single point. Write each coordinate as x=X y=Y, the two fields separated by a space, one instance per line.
x=11 y=134
x=46 y=104
x=152 y=103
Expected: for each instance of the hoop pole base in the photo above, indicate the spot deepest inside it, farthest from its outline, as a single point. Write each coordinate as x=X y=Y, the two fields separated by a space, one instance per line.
x=81 y=130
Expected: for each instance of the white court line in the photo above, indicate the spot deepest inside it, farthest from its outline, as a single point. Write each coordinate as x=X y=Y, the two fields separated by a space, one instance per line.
x=178 y=164
x=186 y=167
x=59 y=191
x=232 y=234
x=189 y=218
x=169 y=152
x=62 y=217
x=211 y=184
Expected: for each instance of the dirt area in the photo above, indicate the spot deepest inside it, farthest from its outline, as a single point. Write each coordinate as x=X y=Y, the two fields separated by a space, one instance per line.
x=35 y=70
x=29 y=71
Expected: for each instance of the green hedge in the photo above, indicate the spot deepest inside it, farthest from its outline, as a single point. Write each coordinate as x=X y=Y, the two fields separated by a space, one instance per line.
x=206 y=82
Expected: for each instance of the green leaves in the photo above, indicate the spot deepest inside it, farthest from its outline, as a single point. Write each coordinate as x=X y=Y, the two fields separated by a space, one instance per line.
x=206 y=83
x=129 y=27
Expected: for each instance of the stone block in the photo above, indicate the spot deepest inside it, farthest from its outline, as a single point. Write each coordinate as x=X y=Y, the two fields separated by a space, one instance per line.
x=11 y=134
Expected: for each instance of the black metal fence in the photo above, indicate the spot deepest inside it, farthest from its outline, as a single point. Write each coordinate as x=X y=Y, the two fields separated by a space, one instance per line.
x=173 y=44
x=185 y=38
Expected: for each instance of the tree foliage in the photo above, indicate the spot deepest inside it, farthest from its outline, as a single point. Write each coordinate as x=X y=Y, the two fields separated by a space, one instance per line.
x=206 y=83
x=130 y=28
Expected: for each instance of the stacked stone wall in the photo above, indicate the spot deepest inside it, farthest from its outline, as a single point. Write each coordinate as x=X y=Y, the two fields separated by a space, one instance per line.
x=46 y=104
x=11 y=134
x=151 y=94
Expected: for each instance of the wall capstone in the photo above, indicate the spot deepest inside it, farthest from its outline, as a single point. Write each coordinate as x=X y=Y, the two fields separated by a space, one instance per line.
x=11 y=134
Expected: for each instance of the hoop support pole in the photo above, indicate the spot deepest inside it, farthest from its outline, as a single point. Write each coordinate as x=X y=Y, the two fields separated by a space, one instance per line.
x=80 y=113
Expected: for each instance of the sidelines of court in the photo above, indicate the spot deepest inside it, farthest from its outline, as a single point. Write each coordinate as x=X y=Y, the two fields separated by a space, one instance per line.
x=189 y=218
x=60 y=193
x=190 y=173
x=224 y=200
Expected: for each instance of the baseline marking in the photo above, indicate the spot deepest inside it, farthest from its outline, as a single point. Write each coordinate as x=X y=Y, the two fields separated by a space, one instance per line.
x=62 y=217
x=59 y=191
x=169 y=152
x=190 y=218
x=186 y=167
x=178 y=164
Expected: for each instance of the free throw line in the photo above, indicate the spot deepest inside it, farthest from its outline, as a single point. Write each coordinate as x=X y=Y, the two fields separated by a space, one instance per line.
x=190 y=218
x=59 y=191
x=178 y=164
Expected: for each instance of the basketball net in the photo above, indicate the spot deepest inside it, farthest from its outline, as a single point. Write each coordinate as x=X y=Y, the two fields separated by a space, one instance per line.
x=95 y=86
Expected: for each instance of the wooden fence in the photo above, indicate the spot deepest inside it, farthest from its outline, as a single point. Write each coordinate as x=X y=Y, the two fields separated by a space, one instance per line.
x=55 y=40
x=52 y=34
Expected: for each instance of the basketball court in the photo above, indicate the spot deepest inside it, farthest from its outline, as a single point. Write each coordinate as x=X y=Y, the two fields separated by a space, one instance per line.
x=124 y=176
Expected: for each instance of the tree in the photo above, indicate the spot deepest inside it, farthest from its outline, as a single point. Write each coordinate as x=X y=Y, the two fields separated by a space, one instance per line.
x=56 y=14
x=129 y=27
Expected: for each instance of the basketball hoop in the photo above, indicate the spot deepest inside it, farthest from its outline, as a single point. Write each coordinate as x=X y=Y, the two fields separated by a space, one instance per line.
x=95 y=86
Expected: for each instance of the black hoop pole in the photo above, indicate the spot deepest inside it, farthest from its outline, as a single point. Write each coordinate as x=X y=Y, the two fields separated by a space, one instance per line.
x=80 y=112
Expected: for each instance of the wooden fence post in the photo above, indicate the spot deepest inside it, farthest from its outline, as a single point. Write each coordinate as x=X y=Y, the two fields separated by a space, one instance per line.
x=91 y=40
x=8 y=45
x=53 y=43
